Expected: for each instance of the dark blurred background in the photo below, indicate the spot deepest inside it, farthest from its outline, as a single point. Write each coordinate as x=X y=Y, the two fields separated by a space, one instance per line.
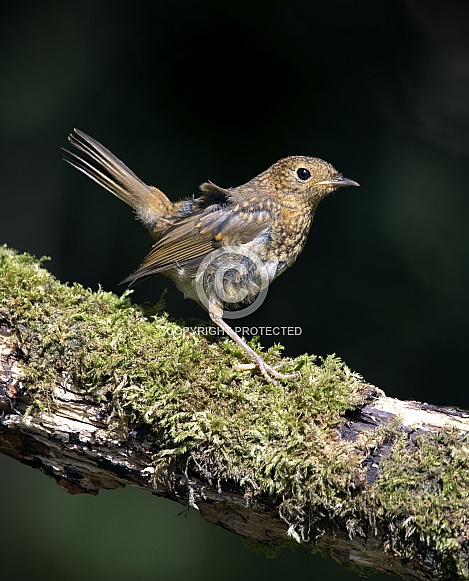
x=189 y=91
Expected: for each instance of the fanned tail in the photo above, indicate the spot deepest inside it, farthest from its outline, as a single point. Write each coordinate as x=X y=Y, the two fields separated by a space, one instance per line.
x=99 y=164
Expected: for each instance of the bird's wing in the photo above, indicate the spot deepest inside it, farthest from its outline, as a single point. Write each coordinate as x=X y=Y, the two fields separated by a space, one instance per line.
x=195 y=236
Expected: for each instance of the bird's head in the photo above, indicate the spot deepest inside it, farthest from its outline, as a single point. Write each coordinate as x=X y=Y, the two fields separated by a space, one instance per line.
x=299 y=174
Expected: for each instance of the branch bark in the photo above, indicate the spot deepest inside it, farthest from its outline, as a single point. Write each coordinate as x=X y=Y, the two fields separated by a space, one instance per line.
x=384 y=488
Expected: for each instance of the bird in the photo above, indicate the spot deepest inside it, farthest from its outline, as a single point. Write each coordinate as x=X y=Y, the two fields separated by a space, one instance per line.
x=225 y=246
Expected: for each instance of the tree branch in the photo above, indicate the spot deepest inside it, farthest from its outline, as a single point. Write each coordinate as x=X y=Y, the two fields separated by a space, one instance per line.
x=97 y=393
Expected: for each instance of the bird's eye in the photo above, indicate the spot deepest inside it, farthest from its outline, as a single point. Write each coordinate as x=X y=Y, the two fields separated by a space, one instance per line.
x=303 y=173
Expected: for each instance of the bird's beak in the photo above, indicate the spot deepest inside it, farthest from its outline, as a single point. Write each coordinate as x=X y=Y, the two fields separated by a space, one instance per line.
x=338 y=182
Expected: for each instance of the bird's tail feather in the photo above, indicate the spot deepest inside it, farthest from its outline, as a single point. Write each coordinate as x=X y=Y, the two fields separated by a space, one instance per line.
x=99 y=164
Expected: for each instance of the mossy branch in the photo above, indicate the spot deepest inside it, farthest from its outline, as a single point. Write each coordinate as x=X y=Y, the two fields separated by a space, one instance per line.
x=99 y=393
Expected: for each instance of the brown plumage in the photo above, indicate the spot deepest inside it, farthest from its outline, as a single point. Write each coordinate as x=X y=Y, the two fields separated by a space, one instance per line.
x=226 y=246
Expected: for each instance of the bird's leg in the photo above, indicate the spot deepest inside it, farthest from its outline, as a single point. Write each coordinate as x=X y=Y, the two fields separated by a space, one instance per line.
x=267 y=370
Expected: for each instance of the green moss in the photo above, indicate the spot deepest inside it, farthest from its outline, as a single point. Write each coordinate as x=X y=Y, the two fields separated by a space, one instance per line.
x=270 y=439
x=183 y=386
x=423 y=500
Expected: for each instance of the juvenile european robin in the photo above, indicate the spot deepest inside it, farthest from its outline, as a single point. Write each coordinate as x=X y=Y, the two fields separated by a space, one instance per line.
x=226 y=246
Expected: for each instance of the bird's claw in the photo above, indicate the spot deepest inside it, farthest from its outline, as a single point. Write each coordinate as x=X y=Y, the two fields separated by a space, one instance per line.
x=267 y=370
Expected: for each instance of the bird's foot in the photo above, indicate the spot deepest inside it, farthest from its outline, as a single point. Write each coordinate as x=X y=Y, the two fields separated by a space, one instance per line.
x=267 y=371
